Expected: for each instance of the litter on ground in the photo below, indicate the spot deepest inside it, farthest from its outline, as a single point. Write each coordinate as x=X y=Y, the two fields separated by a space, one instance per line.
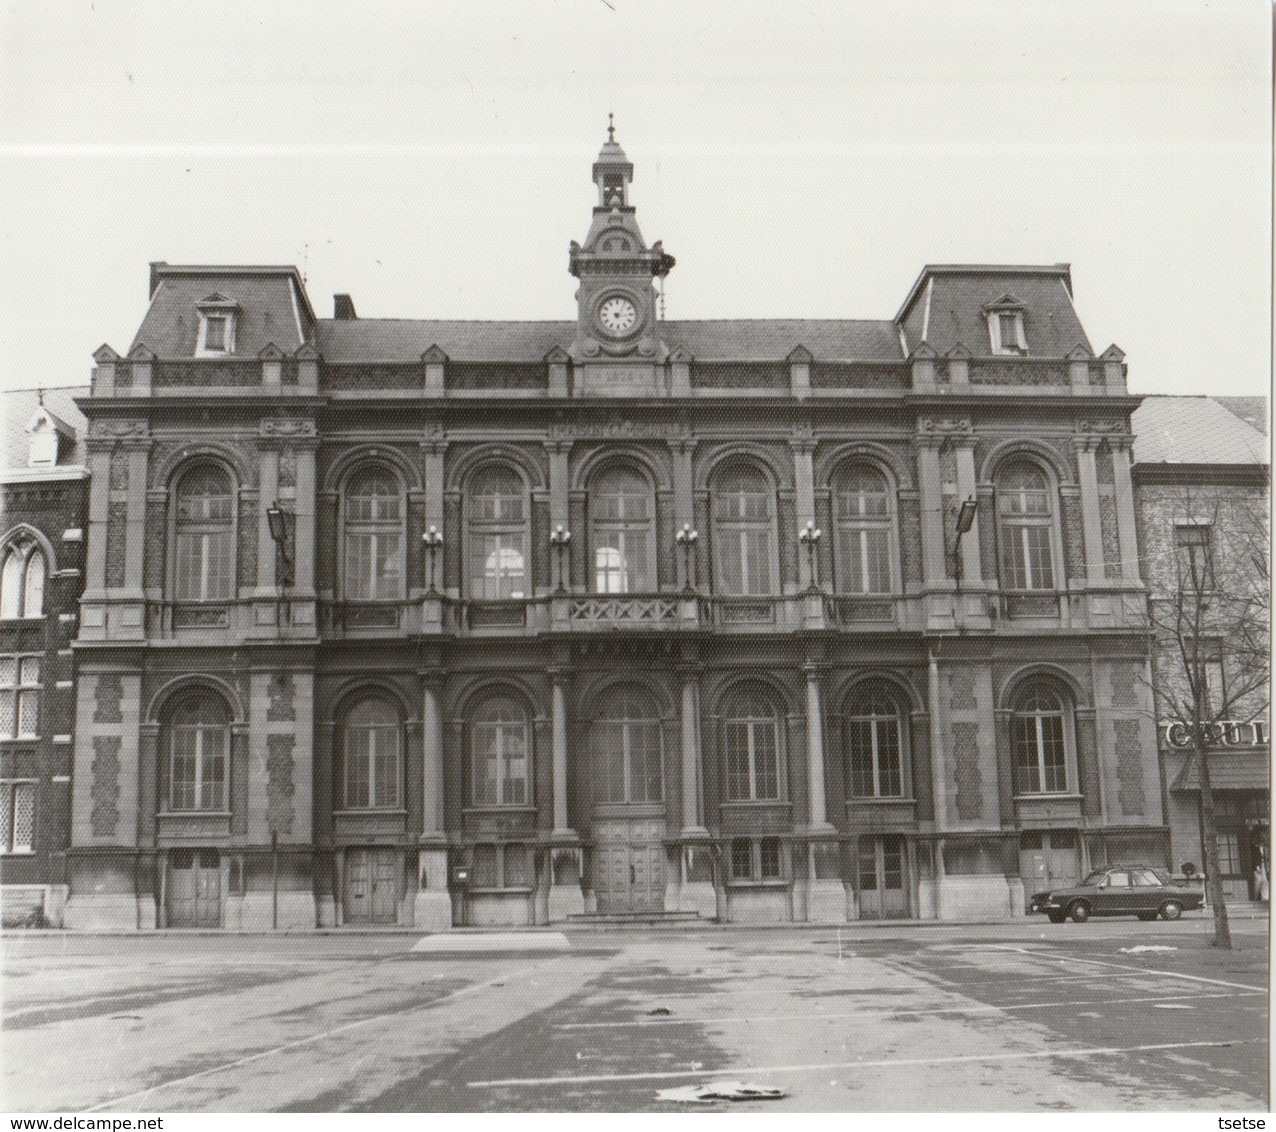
x=659 y=1012
x=720 y=1091
x=1146 y=947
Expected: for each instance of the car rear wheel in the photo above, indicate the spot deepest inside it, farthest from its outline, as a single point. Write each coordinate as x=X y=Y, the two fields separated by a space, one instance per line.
x=1080 y=912
x=1171 y=910
x=1056 y=917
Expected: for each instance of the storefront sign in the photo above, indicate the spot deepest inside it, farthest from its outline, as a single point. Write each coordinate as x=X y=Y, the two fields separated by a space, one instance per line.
x=1224 y=733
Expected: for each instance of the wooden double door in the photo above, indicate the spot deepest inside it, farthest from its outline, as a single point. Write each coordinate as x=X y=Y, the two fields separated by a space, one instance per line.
x=373 y=881
x=629 y=865
x=194 y=881
x=883 y=868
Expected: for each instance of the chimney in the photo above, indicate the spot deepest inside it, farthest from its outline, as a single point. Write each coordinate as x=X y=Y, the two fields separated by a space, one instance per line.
x=343 y=308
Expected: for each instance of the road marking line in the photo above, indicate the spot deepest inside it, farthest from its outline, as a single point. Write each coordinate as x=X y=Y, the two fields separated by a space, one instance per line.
x=820 y=1067
x=146 y=1093
x=1142 y=970
x=978 y=1008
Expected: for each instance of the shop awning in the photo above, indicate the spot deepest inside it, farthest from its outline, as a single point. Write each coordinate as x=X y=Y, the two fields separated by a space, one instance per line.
x=1229 y=770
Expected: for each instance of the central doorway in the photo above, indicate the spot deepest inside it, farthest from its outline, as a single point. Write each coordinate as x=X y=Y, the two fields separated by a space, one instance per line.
x=1048 y=859
x=629 y=865
x=881 y=878
x=194 y=888
x=372 y=886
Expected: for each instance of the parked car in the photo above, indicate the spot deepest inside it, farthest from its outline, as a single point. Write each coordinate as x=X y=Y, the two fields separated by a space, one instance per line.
x=1118 y=890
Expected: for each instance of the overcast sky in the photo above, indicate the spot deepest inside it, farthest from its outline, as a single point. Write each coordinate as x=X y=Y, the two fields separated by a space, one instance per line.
x=799 y=160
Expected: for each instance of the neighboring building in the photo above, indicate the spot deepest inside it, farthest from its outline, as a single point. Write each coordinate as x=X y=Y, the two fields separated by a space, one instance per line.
x=1202 y=471
x=609 y=615
x=43 y=509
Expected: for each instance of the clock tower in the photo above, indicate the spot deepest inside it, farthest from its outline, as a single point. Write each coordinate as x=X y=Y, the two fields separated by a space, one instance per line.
x=616 y=303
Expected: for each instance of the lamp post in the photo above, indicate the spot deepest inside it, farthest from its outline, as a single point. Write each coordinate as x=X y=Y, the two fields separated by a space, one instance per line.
x=277 y=521
x=809 y=536
x=686 y=539
x=433 y=540
x=560 y=539
x=965 y=520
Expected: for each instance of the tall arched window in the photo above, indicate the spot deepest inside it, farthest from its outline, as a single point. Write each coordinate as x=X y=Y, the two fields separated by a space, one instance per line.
x=498 y=535
x=204 y=562
x=876 y=742
x=199 y=753
x=1026 y=514
x=621 y=518
x=22 y=579
x=744 y=532
x=751 y=740
x=1042 y=737
x=501 y=753
x=626 y=747
x=374 y=543
x=863 y=515
x=372 y=748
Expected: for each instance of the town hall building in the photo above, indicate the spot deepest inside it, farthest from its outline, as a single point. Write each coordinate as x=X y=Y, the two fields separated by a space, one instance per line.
x=463 y=623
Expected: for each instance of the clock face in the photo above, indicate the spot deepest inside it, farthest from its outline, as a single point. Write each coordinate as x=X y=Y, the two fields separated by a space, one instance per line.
x=617 y=315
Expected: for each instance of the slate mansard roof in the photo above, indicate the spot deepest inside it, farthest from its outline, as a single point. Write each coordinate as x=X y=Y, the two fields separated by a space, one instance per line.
x=1195 y=430
x=946 y=308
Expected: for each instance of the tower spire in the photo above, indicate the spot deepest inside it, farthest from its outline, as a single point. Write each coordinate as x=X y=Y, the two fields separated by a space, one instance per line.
x=611 y=128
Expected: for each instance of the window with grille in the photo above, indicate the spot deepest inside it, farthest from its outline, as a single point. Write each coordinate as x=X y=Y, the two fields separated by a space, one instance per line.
x=751 y=734
x=875 y=743
x=19 y=697
x=502 y=866
x=1229 y=854
x=744 y=533
x=1041 y=737
x=621 y=518
x=863 y=515
x=373 y=751
x=204 y=562
x=1025 y=509
x=498 y=536
x=22 y=580
x=500 y=753
x=199 y=754
x=626 y=741
x=17 y=817
x=374 y=540
x=756 y=859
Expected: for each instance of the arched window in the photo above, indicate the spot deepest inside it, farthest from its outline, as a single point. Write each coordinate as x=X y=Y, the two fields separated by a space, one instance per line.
x=501 y=753
x=372 y=747
x=626 y=747
x=621 y=518
x=863 y=515
x=751 y=740
x=22 y=579
x=876 y=742
x=744 y=532
x=1042 y=737
x=1026 y=514
x=199 y=753
x=204 y=562
x=374 y=543
x=498 y=535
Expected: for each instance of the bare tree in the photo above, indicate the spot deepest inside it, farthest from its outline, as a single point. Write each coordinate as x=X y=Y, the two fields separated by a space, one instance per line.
x=1211 y=633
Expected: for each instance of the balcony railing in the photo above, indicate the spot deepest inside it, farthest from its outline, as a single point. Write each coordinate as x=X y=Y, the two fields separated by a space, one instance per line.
x=637 y=610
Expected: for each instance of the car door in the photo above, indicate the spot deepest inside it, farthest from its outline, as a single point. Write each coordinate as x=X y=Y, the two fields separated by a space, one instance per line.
x=1147 y=891
x=1113 y=894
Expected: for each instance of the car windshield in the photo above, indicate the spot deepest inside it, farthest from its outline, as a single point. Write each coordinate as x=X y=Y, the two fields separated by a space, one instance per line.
x=1095 y=876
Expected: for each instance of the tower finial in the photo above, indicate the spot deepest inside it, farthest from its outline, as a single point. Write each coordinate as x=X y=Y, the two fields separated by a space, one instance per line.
x=611 y=127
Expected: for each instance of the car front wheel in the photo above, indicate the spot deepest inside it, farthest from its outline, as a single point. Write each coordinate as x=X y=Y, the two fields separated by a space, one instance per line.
x=1080 y=912
x=1171 y=910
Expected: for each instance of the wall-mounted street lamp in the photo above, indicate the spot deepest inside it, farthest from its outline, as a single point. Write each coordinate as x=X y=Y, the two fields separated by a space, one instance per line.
x=560 y=539
x=277 y=519
x=433 y=540
x=965 y=520
x=809 y=536
x=686 y=539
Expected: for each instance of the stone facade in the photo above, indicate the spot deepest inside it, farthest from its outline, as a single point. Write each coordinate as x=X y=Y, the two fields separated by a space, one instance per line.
x=475 y=623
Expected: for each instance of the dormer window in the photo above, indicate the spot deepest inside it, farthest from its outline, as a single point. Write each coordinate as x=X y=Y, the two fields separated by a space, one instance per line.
x=1005 y=326
x=216 y=326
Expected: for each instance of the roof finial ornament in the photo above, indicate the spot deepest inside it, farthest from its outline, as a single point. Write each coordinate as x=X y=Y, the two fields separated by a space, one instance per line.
x=611 y=127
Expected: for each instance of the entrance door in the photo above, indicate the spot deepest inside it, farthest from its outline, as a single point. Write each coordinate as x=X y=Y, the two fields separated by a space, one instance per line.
x=881 y=878
x=629 y=866
x=194 y=888
x=372 y=886
x=1048 y=859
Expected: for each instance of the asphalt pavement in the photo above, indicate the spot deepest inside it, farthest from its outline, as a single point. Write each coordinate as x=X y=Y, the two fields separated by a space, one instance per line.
x=1024 y=1016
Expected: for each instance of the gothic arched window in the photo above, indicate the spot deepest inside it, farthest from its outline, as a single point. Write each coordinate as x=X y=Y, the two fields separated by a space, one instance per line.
x=22 y=579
